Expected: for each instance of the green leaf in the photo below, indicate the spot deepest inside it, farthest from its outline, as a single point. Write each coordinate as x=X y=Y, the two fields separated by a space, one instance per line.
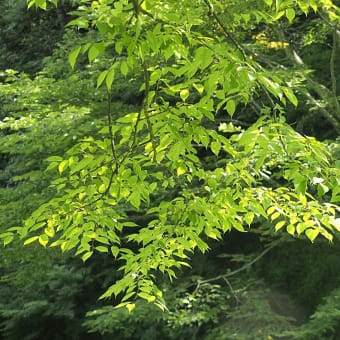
x=30 y=240
x=279 y=225
x=290 y=96
x=199 y=88
x=135 y=199
x=215 y=147
x=54 y=159
x=72 y=58
x=102 y=249
x=62 y=165
x=86 y=256
x=49 y=231
x=290 y=14
x=322 y=189
x=102 y=188
x=130 y=307
x=231 y=107
x=109 y=78
x=312 y=234
x=181 y=170
x=211 y=233
x=290 y=229
x=147 y=297
x=238 y=226
x=114 y=251
x=184 y=94
x=300 y=184
x=7 y=238
x=96 y=50
x=124 y=68
x=249 y=217
x=275 y=216
x=101 y=78
x=43 y=240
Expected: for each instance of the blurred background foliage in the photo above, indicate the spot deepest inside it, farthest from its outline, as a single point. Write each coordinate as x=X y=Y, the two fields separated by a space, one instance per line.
x=292 y=292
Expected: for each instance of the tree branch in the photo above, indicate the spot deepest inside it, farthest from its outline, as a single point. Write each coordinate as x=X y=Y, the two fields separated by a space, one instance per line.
x=227 y=34
x=234 y=272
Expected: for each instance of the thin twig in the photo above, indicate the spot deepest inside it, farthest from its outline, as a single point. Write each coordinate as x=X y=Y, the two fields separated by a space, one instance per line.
x=227 y=34
x=234 y=272
x=232 y=290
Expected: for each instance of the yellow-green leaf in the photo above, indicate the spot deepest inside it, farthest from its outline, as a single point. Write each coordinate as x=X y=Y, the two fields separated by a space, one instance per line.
x=215 y=147
x=290 y=14
x=279 y=225
x=271 y=210
x=130 y=307
x=181 y=170
x=249 y=217
x=43 y=240
x=312 y=234
x=290 y=229
x=199 y=88
x=275 y=216
x=147 y=297
x=95 y=50
x=124 y=68
x=184 y=94
x=109 y=78
x=102 y=249
x=87 y=255
x=30 y=240
x=231 y=107
x=101 y=77
x=102 y=188
x=290 y=95
x=62 y=165
x=49 y=231
x=114 y=251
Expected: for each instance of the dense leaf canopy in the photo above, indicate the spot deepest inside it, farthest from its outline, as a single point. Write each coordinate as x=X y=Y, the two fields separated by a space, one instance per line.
x=179 y=124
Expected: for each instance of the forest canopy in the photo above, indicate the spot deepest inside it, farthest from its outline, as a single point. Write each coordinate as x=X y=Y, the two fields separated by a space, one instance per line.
x=155 y=131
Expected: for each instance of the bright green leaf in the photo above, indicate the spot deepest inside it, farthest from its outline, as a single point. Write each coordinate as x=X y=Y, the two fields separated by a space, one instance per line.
x=30 y=240
x=109 y=78
x=130 y=307
x=101 y=78
x=72 y=58
x=184 y=94
x=62 y=165
x=290 y=14
x=312 y=234
x=43 y=240
x=231 y=107
x=279 y=225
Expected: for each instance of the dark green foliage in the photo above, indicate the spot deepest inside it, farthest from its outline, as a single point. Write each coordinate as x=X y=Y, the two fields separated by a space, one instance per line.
x=308 y=279
x=27 y=36
x=47 y=299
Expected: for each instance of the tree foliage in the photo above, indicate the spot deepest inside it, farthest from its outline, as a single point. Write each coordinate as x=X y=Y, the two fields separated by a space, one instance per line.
x=183 y=157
